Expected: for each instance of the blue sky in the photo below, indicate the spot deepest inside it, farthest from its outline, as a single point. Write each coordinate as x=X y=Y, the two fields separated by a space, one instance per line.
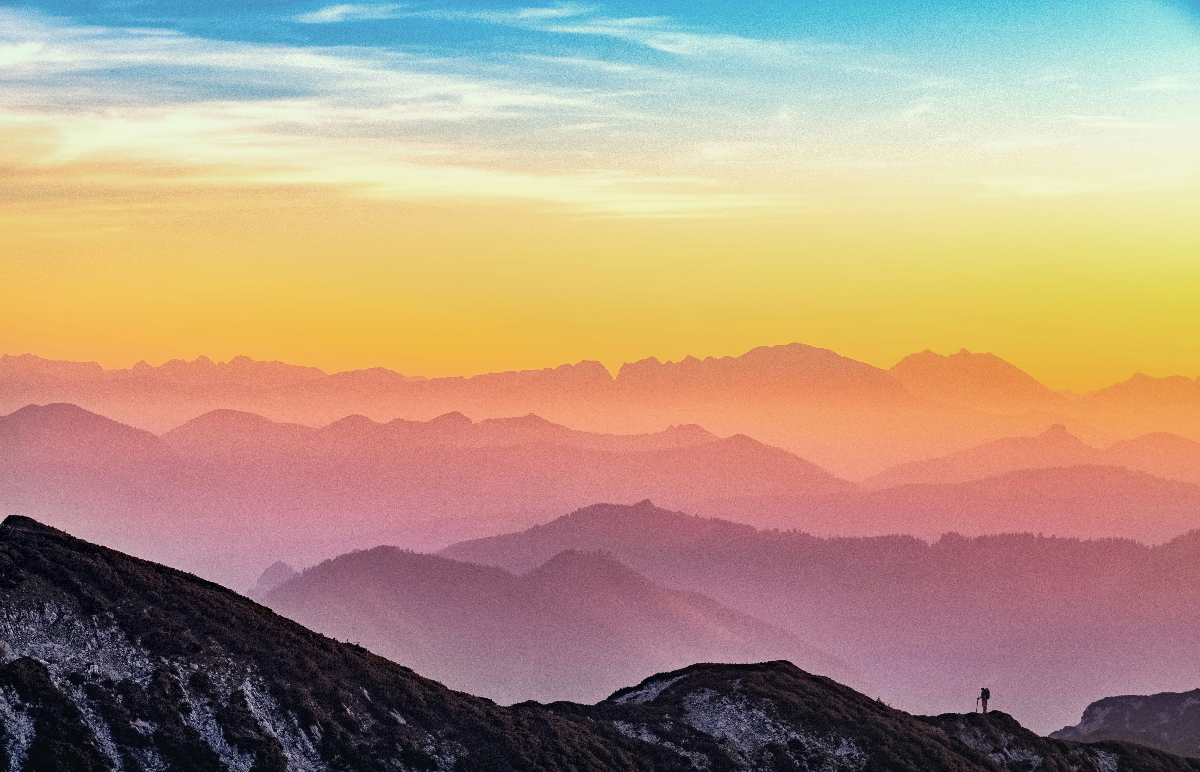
x=725 y=103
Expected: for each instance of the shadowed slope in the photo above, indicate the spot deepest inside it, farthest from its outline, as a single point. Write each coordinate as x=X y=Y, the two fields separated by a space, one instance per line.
x=576 y=628
x=137 y=642
x=111 y=662
x=1051 y=623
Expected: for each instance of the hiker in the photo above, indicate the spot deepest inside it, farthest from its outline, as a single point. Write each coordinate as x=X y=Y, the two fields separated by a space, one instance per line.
x=985 y=694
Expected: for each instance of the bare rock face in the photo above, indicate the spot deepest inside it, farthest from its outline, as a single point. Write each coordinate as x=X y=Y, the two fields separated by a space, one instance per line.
x=1168 y=721
x=108 y=662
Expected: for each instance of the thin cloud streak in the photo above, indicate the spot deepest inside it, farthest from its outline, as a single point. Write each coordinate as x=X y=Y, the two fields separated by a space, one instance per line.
x=348 y=132
x=783 y=120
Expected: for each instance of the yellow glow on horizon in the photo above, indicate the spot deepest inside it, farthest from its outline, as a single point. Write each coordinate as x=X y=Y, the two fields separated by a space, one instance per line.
x=1081 y=291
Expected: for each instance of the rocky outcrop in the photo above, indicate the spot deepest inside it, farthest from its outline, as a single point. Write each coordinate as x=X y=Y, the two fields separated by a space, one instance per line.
x=1168 y=721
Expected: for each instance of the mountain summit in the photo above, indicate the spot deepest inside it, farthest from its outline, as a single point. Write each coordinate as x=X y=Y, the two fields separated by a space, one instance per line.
x=972 y=380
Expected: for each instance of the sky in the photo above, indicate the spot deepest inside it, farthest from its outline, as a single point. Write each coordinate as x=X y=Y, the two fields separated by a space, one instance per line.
x=459 y=187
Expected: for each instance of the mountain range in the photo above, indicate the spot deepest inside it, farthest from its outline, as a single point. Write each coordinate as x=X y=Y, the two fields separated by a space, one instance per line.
x=576 y=628
x=109 y=662
x=1160 y=454
x=851 y=418
x=217 y=493
x=1051 y=624
x=223 y=490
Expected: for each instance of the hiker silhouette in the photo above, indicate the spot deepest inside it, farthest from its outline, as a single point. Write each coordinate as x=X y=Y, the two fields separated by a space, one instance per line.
x=985 y=694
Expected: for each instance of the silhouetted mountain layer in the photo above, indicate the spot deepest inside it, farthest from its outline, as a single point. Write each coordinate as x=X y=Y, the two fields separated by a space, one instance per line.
x=215 y=494
x=1162 y=455
x=974 y=380
x=848 y=416
x=577 y=627
x=1055 y=447
x=1167 y=721
x=68 y=435
x=109 y=662
x=275 y=574
x=1076 y=501
x=1050 y=624
x=230 y=433
x=233 y=486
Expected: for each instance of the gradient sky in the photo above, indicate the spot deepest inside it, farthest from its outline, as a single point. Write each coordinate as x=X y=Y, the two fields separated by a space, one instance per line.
x=449 y=188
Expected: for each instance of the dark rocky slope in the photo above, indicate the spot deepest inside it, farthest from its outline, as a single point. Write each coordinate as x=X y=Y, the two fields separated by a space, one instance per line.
x=108 y=662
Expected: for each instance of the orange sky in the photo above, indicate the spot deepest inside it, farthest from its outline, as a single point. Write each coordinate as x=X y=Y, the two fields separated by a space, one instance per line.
x=1080 y=293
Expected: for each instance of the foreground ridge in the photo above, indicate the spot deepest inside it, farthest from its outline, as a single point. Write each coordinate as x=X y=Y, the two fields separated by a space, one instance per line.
x=109 y=662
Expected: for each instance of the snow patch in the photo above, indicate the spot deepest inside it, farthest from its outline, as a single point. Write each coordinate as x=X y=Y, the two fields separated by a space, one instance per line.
x=98 y=649
x=19 y=727
x=750 y=733
x=1105 y=761
x=647 y=692
x=203 y=719
x=66 y=643
x=94 y=722
x=643 y=733
x=1006 y=751
x=302 y=755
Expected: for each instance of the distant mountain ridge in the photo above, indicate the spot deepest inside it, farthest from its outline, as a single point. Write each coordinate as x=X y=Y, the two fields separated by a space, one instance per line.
x=973 y=380
x=575 y=628
x=1167 y=721
x=921 y=619
x=229 y=485
x=109 y=662
x=226 y=432
x=234 y=484
x=848 y=416
x=69 y=434
x=1163 y=455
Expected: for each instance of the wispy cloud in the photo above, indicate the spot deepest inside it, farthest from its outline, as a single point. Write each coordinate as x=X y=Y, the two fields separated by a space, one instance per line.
x=719 y=124
x=660 y=33
x=337 y=13
x=349 y=126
